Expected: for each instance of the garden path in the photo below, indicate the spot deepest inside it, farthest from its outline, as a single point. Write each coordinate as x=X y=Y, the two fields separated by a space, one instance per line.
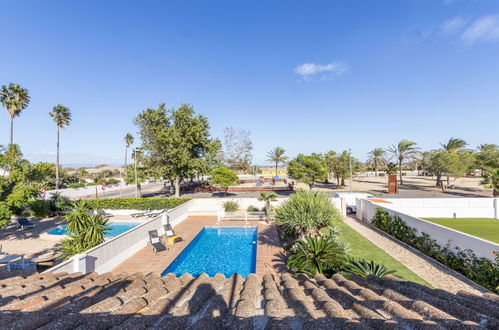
x=437 y=275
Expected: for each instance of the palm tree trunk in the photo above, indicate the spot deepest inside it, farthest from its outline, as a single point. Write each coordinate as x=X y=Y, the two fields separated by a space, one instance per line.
x=276 y=168
x=57 y=163
x=11 y=130
x=400 y=171
x=375 y=168
x=126 y=151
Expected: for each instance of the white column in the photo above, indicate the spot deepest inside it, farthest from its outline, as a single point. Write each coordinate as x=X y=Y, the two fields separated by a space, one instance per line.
x=496 y=208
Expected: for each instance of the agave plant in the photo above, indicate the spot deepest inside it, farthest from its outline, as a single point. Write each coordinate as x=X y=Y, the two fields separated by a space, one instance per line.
x=365 y=268
x=318 y=255
x=78 y=217
x=95 y=229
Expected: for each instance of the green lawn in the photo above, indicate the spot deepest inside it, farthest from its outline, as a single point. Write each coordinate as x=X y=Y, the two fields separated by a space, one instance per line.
x=362 y=248
x=485 y=228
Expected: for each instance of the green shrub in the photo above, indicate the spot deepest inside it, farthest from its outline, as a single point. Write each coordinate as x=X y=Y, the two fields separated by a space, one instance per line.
x=230 y=206
x=305 y=213
x=76 y=185
x=480 y=270
x=136 y=203
x=5 y=214
x=365 y=268
x=40 y=208
x=318 y=255
x=252 y=208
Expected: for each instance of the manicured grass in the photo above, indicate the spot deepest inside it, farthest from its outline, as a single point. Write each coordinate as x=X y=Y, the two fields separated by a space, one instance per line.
x=485 y=228
x=362 y=248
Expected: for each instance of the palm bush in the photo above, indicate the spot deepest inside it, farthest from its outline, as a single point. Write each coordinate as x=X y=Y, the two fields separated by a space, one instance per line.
x=365 y=268
x=267 y=197
x=230 y=206
x=305 y=213
x=78 y=216
x=318 y=255
x=491 y=180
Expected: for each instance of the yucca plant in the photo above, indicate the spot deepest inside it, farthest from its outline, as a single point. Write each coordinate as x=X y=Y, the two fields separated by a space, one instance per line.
x=318 y=255
x=365 y=268
x=78 y=216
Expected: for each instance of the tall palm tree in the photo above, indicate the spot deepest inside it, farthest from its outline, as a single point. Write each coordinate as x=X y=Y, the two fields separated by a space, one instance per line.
x=128 y=144
x=453 y=145
x=277 y=156
x=403 y=151
x=15 y=99
x=377 y=157
x=491 y=180
x=61 y=115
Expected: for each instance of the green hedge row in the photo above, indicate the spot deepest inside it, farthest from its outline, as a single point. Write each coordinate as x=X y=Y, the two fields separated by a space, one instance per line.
x=136 y=203
x=480 y=270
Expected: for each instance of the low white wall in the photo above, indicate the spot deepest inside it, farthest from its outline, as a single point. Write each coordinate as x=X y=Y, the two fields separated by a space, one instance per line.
x=443 y=235
x=446 y=207
x=88 y=191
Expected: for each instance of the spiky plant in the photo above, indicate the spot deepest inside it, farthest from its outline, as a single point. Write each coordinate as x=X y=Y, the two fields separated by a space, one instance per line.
x=365 y=268
x=318 y=255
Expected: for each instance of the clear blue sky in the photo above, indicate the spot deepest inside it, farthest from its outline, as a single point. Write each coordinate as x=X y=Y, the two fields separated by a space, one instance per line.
x=309 y=76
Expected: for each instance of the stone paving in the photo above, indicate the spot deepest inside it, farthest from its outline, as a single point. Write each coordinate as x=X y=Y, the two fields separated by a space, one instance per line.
x=437 y=275
x=269 y=257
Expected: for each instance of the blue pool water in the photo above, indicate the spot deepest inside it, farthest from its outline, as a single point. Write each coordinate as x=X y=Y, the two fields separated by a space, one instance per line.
x=114 y=229
x=225 y=250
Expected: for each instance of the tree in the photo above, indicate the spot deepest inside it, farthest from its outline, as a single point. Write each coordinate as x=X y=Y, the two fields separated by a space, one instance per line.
x=307 y=169
x=491 y=180
x=277 y=157
x=405 y=150
x=224 y=178
x=267 y=197
x=330 y=160
x=128 y=144
x=135 y=173
x=173 y=141
x=61 y=115
x=422 y=161
x=453 y=145
x=440 y=163
x=487 y=157
x=15 y=99
x=391 y=168
x=237 y=148
x=376 y=157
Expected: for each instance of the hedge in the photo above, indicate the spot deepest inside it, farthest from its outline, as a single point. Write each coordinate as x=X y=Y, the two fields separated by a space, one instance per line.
x=480 y=270
x=136 y=203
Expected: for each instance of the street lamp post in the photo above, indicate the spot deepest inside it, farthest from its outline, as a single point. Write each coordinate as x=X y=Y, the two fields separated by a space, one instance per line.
x=350 y=163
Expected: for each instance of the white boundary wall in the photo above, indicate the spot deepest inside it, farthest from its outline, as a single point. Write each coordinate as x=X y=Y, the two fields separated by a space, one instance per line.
x=88 y=191
x=443 y=235
x=111 y=253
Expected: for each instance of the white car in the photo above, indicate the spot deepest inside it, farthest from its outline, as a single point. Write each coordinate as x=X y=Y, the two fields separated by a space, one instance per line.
x=351 y=199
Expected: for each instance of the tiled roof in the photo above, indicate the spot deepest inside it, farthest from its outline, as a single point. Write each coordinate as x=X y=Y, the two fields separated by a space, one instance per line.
x=92 y=301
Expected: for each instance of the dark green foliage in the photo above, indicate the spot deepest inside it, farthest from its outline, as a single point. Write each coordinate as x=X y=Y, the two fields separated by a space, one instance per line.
x=318 y=255
x=252 y=208
x=481 y=270
x=136 y=203
x=230 y=206
x=365 y=268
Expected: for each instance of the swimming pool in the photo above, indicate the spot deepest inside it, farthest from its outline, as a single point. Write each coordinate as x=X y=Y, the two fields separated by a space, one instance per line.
x=115 y=228
x=225 y=250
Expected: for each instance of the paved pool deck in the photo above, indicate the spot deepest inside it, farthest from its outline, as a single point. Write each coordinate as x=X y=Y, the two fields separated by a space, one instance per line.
x=269 y=256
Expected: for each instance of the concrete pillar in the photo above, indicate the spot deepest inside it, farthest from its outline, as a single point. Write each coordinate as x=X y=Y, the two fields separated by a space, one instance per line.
x=496 y=208
x=80 y=263
x=343 y=207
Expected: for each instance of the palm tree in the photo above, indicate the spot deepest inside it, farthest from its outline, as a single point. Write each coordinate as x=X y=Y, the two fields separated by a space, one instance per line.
x=277 y=156
x=128 y=143
x=61 y=115
x=267 y=197
x=15 y=99
x=404 y=150
x=376 y=158
x=423 y=161
x=491 y=180
x=453 y=145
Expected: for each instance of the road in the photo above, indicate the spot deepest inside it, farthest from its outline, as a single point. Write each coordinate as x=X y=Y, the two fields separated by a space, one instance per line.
x=147 y=189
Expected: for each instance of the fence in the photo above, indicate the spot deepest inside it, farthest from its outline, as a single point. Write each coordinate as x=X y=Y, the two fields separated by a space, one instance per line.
x=111 y=253
x=443 y=235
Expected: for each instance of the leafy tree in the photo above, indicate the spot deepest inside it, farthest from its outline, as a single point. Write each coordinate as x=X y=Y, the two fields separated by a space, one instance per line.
x=318 y=255
x=173 y=140
x=491 y=180
x=224 y=178
x=422 y=161
x=15 y=99
x=376 y=158
x=267 y=197
x=277 y=156
x=441 y=163
x=330 y=161
x=405 y=150
x=488 y=157
x=42 y=173
x=128 y=144
x=307 y=169
x=237 y=148
x=61 y=115
x=305 y=213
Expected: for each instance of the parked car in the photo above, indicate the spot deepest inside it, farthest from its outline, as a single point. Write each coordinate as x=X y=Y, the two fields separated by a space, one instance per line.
x=351 y=199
